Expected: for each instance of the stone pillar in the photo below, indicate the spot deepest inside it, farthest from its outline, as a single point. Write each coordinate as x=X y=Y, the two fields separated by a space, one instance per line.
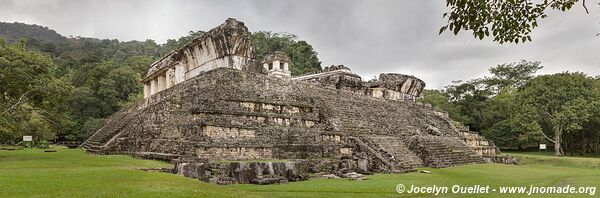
x=158 y=84
x=165 y=82
x=168 y=79
x=179 y=73
x=266 y=66
x=146 y=89
x=276 y=65
x=286 y=66
x=161 y=82
x=153 y=86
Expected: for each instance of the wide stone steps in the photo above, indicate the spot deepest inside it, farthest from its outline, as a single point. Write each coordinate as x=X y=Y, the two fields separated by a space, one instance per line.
x=359 y=124
x=387 y=155
x=443 y=152
x=395 y=148
x=393 y=164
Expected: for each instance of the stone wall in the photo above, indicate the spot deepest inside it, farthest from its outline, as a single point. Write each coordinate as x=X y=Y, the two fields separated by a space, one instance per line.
x=227 y=132
x=234 y=153
x=244 y=172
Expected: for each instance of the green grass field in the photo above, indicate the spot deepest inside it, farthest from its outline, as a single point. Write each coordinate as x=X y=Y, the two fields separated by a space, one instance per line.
x=72 y=173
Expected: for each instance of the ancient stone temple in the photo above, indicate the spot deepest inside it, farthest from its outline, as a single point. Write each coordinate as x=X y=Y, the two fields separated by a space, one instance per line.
x=214 y=110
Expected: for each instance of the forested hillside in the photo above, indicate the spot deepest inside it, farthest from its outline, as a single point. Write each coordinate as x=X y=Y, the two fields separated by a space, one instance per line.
x=35 y=33
x=59 y=88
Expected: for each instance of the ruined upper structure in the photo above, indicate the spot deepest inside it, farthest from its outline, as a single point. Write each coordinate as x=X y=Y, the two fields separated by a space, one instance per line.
x=211 y=100
x=336 y=76
x=277 y=64
x=389 y=86
x=396 y=87
x=228 y=45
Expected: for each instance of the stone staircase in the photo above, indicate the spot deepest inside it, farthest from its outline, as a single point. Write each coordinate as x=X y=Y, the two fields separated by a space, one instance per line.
x=396 y=148
x=476 y=142
x=438 y=151
x=391 y=163
x=113 y=125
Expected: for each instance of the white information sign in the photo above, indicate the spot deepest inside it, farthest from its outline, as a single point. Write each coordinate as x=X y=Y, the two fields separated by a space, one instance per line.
x=27 y=138
x=542 y=146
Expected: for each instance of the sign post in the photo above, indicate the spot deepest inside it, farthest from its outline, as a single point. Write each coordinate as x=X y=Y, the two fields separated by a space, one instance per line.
x=543 y=147
x=28 y=138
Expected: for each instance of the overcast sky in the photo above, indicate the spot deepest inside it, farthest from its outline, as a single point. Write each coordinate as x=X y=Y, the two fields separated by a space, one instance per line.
x=370 y=37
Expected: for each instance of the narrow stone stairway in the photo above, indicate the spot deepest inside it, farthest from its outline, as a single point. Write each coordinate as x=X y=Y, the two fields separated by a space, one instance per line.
x=393 y=164
x=112 y=127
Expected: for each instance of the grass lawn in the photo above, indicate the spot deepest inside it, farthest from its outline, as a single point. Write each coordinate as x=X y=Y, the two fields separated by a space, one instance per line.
x=72 y=173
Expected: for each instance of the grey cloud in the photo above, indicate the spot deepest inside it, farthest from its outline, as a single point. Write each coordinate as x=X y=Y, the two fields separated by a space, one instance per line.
x=371 y=37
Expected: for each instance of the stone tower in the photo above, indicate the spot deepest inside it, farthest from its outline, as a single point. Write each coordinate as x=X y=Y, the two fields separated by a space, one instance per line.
x=277 y=64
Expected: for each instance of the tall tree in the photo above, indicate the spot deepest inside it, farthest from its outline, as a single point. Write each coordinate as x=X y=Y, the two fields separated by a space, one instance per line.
x=514 y=74
x=559 y=104
x=32 y=99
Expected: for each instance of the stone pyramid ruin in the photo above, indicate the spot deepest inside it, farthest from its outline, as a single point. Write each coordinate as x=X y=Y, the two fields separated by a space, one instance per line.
x=225 y=117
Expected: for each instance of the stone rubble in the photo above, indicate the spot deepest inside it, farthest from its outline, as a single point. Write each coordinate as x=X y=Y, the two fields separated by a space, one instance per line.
x=330 y=176
x=354 y=176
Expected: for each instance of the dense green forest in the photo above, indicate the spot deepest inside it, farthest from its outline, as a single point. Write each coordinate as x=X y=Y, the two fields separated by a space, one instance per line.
x=59 y=88
x=518 y=109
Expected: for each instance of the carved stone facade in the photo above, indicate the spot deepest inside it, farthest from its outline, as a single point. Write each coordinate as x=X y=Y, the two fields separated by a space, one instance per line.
x=211 y=101
x=228 y=45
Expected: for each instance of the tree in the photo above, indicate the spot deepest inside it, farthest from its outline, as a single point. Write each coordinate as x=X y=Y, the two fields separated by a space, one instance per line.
x=517 y=110
x=487 y=104
x=514 y=74
x=506 y=21
x=499 y=123
x=32 y=99
x=559 y=104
